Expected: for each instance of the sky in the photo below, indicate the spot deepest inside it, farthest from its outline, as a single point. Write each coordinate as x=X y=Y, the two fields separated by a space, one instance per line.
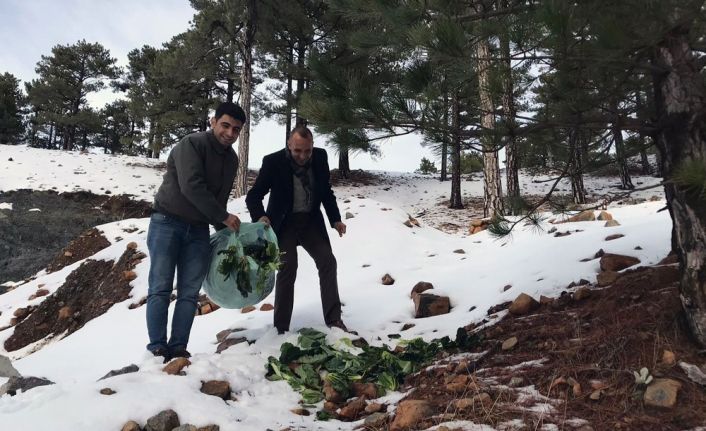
x=31 y=28
x=377 y=242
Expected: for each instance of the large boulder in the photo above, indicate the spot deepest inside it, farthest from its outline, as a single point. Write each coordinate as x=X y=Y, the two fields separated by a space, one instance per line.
x=522 y=305
x=617 y=262
x=428 y=305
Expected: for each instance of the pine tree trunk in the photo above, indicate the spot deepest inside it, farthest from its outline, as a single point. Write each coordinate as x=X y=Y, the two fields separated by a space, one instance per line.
x=512 y=176
x=344 y=167
x=301 y=80
x=445 y=142
x=625 y=181
x=679 y=99
x=644 y=160
x=241 y=180
x=493 y=204
x=576 y=168
x=455 y=201
x=288 y=122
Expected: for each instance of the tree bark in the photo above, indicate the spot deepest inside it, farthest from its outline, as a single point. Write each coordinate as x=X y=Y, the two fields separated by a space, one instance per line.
x=679 y=97
x=512 y=176
x=492 y=191
x=241 y=180
x=344 y=167
x=445 y=142
x=625 y=181
x=576 y=169
x=455 y=201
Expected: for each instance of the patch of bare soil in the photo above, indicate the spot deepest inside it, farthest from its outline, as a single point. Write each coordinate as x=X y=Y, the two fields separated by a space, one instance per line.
x=35 y=232
x=88 y=292
x=572 y=365
x=87 y=244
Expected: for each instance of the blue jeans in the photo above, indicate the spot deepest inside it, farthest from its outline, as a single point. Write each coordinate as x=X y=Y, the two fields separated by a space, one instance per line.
x=174 y=244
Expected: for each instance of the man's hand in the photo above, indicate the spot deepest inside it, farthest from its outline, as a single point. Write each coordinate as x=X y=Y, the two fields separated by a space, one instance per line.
x=340 y=227
x=233 y=222
x=266 y=220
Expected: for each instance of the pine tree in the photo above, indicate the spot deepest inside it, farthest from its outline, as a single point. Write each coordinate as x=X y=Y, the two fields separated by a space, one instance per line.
x=11 y=105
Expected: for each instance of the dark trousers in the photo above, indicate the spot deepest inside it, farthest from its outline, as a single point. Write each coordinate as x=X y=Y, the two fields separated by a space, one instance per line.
x=300 y=229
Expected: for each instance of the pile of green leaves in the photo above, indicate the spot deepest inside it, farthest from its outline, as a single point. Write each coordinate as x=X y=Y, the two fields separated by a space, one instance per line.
x=262 y=253
x=312 y=362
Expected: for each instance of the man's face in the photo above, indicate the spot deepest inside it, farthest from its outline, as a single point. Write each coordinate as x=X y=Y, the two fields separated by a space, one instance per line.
x=301 y=148
x=226 y=129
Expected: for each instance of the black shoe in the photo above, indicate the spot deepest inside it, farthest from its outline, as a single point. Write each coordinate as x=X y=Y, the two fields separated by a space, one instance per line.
x=180 y=352
x=161 y=352
x=340 y=325
x=281 y=331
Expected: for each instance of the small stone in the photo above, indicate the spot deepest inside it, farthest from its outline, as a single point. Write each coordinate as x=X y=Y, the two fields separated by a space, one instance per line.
x=125 y=370
x=407 y=326
x=129 y=275
x=229 y=342
x=132 y=245
x=186 y=427
x=68 y=254
x=216 y=388
x=21 y=313
x=387 y=280
x=247 y=309
x=516 y=382
x=6 y=368
x=375 y=420
x=595 y=395
x=267 y=307
x=41 y=292
x=662 y=393
x=545 y=300
x=165 y=420
x=24 y=384
x=587 y=215
x=373 y=408
x=617 y=262
x=353 y=408
x=522 y=305
x=107 y=391
x=301 y=412
x=175 y=366
x=131 y=426
x=607 y=278
x=349 y=215
x=605 y=216
x=582 y=293
x=428 y=305
x=460 y=251
x=669 y=358
x=509 y=343
x=614 y=236
x=468 y=403
x=409 y=413
x=611 y=223
x=205 y=309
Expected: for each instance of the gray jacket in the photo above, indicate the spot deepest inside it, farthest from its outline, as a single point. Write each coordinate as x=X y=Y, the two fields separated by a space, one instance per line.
x=198 y=181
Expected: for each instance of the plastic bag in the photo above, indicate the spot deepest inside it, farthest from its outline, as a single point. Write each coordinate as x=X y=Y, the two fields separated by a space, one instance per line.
x=243 y=265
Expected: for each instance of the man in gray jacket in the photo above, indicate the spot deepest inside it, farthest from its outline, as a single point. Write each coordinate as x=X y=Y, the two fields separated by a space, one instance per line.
x=194 y=193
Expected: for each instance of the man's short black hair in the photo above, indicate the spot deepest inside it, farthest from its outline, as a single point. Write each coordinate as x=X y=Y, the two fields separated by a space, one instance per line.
x=302 y=131
x=232 y=109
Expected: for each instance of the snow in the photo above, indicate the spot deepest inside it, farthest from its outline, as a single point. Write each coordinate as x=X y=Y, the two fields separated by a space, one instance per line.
x=377 y=242
x=6 y=206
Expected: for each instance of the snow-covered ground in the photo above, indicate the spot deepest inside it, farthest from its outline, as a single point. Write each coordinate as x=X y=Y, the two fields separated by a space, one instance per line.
x=531 y=261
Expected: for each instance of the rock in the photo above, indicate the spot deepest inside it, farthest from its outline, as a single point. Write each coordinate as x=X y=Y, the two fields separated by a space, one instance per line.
x=132 y=245
x=421 y=287
x=41 y=292
x=587 y=215
x=205 y=309
x=22 y=384
x=6 y=368
x=662 y=393
x=507 y=287
x=468 y=403
x=669 y=358
x=599 y=253
x=330 y=406
x=216 y=388
x=373 y=408
x=387 y=280
x=509 y=343
x=671 y=259
x=300 y=412
x=605 y=216
x=131 y=426
x=353 y=408
x=68 y=254
x=209 y=428
x=125 y=370
x=407 y=326
x=409 y=413
x=185 y=427
x=460 y=251
x=165 y=420
x=21 y=313
x=330 y=394
x=175 y=366
x=247 y=309
x=476 y=222
x=107 y=391
x=607 y=278
x=696 y=374
x=375 y=421
x=428 y=305
x=129 y=275
x=522 y=305
x=516 y=382
x=582 y=293
x=408 y=223
x=611 y=223
x=614 y=236
x=267 y=307
x=365 y=389
x=229 y=342
x=545 y=300
x=349 y=215
x=617 y=262
x=595 y=395
x=575 y=387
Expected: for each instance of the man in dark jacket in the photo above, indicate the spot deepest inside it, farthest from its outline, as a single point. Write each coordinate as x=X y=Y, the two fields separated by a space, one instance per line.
x=194 y=193
x=297 y=179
